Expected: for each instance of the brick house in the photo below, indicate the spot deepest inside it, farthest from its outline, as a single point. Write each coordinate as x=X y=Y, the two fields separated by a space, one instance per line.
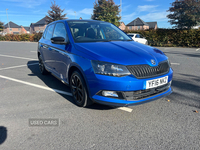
x=14 y=28
x=139 y=24
x=38 y=26
x=27 y=29
x=122 y=26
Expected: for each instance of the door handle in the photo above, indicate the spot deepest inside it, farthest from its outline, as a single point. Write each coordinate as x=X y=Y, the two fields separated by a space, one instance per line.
x=49 y=49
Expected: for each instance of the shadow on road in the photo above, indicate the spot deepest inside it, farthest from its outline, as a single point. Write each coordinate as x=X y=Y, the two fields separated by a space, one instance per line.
x=3 y=134
x=54 y=83
x=187 y=90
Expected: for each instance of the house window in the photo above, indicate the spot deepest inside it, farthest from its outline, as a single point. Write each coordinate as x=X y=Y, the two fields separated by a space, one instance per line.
x=138 y=27
x=130 y=28
x=19 y=29
x=10 y=29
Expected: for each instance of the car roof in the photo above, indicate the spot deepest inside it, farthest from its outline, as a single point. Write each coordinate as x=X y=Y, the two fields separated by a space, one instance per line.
x=68 y=20
x=132 y=33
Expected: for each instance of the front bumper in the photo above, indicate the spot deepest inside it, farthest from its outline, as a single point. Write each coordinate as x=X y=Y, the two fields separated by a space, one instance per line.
x=126 y=85
x=124 y=103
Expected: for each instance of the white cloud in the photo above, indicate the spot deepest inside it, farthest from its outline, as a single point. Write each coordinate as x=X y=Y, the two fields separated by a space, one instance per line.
x=87 y=11
x=70 y=12
x=147 y=8
x=125 y=8
x=26 y=3
x=158 y=16
x=128 y=17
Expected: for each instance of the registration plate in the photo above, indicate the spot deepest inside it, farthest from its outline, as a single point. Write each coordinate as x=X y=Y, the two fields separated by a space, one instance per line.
x=156 y=82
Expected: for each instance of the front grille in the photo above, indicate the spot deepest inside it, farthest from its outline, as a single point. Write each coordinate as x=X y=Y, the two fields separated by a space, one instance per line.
x=146 y=71
x=137 y=95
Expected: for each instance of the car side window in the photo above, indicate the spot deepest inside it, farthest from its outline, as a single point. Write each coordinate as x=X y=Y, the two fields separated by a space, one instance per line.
x=49 y=32
x=137 y=36
x=60 y=30
x=44 y=33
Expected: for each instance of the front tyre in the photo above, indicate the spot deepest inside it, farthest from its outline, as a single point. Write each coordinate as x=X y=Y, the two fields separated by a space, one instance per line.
x=79 y=90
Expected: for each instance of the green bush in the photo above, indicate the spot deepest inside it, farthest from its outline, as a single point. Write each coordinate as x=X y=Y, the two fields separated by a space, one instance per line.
x=23 y=37
x=160 y=37
x=171 y=37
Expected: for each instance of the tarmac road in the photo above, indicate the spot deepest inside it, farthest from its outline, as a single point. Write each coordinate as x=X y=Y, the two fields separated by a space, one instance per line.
x=168 y=123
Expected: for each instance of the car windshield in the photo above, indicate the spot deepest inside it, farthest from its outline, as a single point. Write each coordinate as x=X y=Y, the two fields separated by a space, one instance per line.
x=90 y=31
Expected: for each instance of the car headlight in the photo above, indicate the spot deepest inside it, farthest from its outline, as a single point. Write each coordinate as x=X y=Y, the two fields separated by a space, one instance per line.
x=109 y=69
x=169 y=62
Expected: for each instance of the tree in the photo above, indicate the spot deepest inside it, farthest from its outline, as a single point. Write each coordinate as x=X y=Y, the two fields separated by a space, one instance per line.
x=106 y=10
x=1 y=26
x=55 y=13
x=184 y=14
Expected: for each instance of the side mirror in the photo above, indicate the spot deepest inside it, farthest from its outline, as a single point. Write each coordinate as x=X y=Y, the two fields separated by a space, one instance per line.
x=59 y=40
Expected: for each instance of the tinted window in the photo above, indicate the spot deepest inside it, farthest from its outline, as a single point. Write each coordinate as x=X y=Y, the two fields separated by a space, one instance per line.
x=44 y=34
x=49 y=32
x=59 y=30
x=137 y=36
x=89 y=31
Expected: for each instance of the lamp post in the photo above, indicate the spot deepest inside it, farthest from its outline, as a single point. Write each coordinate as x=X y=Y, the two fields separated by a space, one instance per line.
x=121 y=9
x=8 y=20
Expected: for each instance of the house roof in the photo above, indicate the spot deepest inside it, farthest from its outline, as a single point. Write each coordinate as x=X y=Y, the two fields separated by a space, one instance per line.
x=27 y=28
x=152 y=25
x=41 y=22
x=137 y=22
x=12 y=25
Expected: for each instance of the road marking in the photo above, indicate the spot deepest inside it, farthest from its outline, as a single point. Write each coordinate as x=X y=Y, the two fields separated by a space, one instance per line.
x=36 y=85
x=175 y=63
x=17 y=57
x=19 y=66
x=125 y=109
x=197 y=49
x=54 y=90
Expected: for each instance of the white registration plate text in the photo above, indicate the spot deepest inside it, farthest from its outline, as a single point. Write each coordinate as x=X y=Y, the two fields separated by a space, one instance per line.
x=156 y=82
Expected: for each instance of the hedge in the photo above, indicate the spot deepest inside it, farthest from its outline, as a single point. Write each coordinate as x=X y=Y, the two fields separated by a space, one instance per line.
x=23 y=37
x=159 y=37
x=171 y=37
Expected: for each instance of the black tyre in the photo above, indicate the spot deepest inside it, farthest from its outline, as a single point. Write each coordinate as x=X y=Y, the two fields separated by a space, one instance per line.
x=41 y=66
x=79 y=90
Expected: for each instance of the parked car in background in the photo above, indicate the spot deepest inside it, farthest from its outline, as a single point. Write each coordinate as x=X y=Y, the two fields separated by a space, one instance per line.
x=138 y=38
x=102 y=64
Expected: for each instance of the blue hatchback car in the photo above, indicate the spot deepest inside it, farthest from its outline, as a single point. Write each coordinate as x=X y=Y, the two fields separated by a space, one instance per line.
x=102 y=64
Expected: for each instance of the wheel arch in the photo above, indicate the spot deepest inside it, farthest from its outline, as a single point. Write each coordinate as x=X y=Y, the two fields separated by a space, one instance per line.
x=75 y=67
x=38 y=54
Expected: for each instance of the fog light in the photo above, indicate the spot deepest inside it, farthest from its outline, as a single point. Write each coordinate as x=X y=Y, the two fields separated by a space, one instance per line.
x=110 y=93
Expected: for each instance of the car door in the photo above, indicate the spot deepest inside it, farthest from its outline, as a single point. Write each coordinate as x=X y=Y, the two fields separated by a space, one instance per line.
x=60 y=58
x=139 y=39
x=45 y=47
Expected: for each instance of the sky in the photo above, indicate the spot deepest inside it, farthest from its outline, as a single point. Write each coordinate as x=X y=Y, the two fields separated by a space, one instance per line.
x=25 y=12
